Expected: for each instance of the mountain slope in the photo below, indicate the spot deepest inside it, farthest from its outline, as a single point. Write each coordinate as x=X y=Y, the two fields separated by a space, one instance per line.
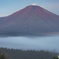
x=31 y=20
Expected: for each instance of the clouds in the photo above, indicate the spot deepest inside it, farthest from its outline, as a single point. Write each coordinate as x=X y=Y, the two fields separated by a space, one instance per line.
x=36 y=43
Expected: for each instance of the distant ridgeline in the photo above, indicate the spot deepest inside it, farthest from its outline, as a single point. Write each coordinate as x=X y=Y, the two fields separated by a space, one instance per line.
x=29 y=54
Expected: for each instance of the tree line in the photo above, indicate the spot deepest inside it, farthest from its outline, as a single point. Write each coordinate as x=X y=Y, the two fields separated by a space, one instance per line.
x=29 y=54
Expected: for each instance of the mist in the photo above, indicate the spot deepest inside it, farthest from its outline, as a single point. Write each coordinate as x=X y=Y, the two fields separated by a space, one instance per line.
x=49 y=42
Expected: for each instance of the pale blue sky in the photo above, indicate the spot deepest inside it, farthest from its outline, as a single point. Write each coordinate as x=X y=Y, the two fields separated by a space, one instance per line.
x=8 y=7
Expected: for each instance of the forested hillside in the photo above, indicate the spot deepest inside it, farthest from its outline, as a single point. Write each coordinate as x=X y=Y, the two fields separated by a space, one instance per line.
x=29 y=54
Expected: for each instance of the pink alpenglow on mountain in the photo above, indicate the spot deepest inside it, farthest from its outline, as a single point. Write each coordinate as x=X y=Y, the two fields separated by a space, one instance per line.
x=30 y=20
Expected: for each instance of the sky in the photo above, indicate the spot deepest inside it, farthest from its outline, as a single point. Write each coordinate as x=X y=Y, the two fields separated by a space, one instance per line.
x=7 y=7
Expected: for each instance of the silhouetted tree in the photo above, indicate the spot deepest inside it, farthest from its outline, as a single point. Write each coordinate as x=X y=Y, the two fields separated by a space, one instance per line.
x=2 y=56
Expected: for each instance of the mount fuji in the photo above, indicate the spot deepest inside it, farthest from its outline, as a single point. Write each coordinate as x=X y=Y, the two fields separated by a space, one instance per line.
x=30 y=20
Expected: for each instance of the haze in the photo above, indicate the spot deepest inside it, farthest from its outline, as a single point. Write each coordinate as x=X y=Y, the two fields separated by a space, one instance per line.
x=49 y=43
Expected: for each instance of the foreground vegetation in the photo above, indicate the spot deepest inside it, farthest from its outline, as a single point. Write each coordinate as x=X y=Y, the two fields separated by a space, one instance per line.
x=55 y=58
x=29 y=54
